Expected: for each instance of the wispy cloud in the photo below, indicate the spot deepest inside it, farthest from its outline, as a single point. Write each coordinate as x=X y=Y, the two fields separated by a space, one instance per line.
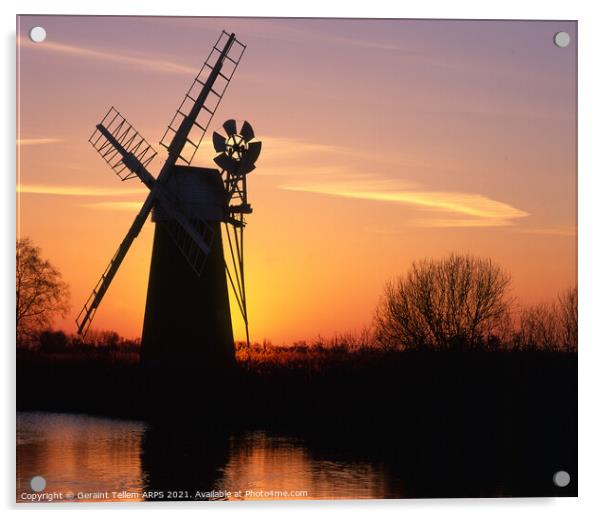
x=78 y=190
x=294 y=32
x=148 y=62
x=277 y=148
x=291 y=31
x=280 y=146
x=280 y=153
x=460 y=209
x=464 y=209
x=125 y=206
x=559 y=230
x=37 y=141
x=462 y=222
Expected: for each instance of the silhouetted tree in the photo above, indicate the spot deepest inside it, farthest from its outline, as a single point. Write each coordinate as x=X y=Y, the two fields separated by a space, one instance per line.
x=538 y=328
x=551 y=326
x=458 y=302
x=110 y=339
x=41 y=292
x=53 y=341
x=567 y=314
x=103 y=339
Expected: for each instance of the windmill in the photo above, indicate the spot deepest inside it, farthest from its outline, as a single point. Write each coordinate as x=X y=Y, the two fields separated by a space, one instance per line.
x=187 y=317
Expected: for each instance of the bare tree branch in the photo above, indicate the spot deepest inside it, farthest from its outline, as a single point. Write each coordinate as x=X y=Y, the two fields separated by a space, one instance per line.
x=458 y=302
x=41 y=294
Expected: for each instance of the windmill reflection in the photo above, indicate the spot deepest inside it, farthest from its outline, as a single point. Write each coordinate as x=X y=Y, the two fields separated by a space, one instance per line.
x=178 y=462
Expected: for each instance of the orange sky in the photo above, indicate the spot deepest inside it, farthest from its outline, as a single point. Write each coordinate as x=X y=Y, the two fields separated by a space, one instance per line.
x=383 y=142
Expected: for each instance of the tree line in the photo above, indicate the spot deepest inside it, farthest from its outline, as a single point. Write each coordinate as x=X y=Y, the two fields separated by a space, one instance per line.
x=462 y=302
x=458 y=303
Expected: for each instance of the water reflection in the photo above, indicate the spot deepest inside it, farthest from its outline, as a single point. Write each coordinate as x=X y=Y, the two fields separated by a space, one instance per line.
x=180 y=460
x=261 y=463
x=77 y=453
x=83 y=454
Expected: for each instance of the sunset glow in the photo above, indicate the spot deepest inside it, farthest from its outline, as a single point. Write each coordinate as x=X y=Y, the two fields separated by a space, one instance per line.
x=384 y=142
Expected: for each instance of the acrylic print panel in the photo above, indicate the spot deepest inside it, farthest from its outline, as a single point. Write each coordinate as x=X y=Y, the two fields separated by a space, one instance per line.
x=295 y=259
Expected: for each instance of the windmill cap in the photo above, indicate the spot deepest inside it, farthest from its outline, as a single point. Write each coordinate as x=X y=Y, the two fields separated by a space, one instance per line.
x=198 y=192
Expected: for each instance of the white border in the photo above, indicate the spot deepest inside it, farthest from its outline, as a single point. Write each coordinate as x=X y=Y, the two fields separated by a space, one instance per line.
x=590 y=257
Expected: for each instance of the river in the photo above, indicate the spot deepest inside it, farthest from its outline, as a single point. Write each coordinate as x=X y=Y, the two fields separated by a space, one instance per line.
x=86 y=458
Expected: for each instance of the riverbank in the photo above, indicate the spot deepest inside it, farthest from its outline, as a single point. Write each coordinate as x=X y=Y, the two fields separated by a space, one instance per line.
x=462 y=422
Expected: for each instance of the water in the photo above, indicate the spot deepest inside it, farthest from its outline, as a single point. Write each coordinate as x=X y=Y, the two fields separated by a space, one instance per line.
x=98 y=459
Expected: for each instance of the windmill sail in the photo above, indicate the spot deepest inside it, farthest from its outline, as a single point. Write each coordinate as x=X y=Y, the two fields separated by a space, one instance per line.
x=132 y=162
x=86 y=315
x=192 y=252
x=210 y=84
x=193 y=238
x=128 y=138
x=123 y=149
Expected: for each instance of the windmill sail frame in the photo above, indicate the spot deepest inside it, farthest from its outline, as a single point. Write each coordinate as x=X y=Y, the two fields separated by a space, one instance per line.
x=217 y=74
x=123 y=149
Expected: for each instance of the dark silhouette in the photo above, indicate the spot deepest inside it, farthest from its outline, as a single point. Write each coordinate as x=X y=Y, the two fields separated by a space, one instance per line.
x=551 y=326
x=459 y=302
x=478 y=408
x=53 y=342
x=189 y=458
x=187 y=323
x=568 y=316
x=41 y=293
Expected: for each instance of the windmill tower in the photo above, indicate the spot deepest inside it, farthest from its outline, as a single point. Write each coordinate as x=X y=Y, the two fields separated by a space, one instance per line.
x=187 y=321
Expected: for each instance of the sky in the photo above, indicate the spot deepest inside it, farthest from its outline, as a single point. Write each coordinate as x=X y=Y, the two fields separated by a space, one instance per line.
x=384 y=142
